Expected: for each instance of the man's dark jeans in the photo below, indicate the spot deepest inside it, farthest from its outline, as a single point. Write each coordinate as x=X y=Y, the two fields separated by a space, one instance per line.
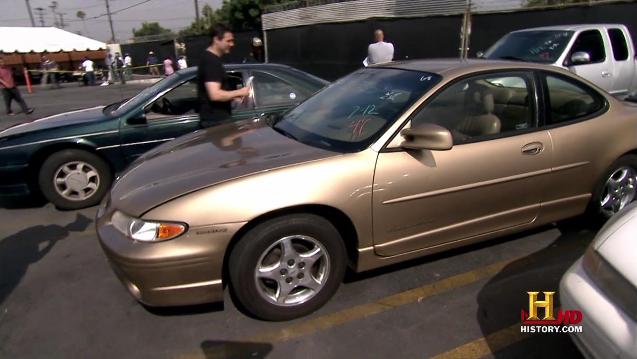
x=13 y=94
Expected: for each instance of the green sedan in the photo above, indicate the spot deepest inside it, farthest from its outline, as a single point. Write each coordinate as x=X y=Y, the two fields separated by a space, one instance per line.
x=71 y=158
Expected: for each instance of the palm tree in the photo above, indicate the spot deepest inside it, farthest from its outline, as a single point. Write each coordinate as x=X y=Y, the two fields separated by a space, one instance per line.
x=82 y=16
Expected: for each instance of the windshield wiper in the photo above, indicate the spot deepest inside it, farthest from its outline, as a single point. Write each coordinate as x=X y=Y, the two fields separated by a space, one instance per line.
x=114 y=106
x=512 y=58
x=285 y=133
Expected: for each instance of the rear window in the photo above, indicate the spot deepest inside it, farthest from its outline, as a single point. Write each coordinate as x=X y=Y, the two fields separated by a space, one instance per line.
x=618 y=41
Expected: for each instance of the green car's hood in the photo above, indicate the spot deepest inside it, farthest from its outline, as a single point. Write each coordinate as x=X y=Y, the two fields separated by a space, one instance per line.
x=92 y=114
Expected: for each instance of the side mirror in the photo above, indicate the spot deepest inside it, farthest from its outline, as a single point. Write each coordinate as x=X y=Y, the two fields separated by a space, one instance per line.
x=427 y=137
x=580 y=58
x=137 y=119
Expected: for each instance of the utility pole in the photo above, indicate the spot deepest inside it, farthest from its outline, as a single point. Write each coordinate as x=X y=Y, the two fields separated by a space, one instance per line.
x=62 y=24
x=110 y=21
x=40 y=12
x=53 y=6
x=465 y=32
x=30 y=13
x=197 y=11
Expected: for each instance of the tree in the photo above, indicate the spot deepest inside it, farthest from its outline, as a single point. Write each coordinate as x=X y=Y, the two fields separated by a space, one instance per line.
x=239 y=15
x=201 y=27
x=151 y=29
x=82 y=16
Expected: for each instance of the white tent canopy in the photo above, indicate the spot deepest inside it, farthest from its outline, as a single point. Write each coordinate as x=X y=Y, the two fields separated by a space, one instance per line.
x=41 y=39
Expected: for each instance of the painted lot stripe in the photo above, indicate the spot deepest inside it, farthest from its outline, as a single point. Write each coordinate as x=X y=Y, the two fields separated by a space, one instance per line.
x=486 y=345
x=328 y=321
x=365 y=310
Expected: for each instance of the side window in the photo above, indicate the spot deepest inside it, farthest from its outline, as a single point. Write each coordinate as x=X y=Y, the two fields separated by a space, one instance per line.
x=590 y=42
x=234 y=81
x=568 y=100
x=618 y=41
x=271 y=91
x=482 y=107
x=181 y=100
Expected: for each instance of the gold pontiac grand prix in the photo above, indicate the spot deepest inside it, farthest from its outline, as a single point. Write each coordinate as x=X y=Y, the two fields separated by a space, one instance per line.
x=389 y=163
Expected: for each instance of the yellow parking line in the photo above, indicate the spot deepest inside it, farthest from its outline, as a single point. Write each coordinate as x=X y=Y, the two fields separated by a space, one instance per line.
x=365 y=310
x=485 y=345
x=327 y=321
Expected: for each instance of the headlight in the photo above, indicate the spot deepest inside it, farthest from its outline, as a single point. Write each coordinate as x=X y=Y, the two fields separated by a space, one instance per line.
x=146 y=231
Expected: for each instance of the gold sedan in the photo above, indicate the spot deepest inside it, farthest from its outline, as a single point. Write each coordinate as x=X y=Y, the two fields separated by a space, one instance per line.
x=389 y=163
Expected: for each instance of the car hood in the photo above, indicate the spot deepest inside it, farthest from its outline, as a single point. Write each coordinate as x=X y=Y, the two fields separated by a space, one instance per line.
x=205 y=158
x=64 y=119
x=616 y=243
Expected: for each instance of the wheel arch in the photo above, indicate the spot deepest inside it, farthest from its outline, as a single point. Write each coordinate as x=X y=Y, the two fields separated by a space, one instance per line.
x=338 y=218
x=39 y=156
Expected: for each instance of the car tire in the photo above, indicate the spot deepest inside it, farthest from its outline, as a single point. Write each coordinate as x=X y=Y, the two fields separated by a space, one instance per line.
x=622 y=176
x=74 y=179
x=270 y=260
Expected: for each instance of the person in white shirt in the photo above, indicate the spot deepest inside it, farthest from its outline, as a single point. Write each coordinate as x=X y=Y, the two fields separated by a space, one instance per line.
x=89 y=68
x=380 y=51
x=128 y=63
x=181 y=63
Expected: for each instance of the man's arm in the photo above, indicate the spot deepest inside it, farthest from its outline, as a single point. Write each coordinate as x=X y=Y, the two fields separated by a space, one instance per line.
x=4 y=84
x=215 y=93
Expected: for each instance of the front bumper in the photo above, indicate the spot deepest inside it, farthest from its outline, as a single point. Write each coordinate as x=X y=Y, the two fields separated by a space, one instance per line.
x=607 y=332
x=182 y=271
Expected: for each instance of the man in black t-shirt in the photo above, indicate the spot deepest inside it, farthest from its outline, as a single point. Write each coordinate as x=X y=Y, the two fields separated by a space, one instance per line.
x=214 y=96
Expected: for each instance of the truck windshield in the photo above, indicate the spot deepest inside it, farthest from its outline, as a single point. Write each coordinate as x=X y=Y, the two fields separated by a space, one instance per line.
x=544 y=46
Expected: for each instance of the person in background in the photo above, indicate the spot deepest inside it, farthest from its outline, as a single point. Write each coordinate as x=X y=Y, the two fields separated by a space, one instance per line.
x=89 y=67
x=44 y=64
x=10 y=91
x=108 y=62
x=257 y=54
x=181 y=63
x=54 y=75
x=152 y=62
x=380 y=51
x=214 y=95
x=118 y=67
x=128 y=64
x=168 y=67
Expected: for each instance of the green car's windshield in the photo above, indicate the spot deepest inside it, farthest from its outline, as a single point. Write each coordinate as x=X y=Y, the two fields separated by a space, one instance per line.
x=543 y=46
x=353 y=112
x=139 y=99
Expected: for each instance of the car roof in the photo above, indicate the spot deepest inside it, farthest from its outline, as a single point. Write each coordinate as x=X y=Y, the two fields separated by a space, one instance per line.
x=262 y=66
x=575 y=27
x=458 y=67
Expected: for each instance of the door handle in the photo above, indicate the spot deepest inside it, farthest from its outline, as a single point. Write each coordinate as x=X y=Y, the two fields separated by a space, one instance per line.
x=532 y=148
x=606 y=74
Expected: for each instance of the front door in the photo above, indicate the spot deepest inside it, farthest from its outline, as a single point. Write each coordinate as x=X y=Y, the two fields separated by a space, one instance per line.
x=173 y=114
x=599 y=70
x=492 y=179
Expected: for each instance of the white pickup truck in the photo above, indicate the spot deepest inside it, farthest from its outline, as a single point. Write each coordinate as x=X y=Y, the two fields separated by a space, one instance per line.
x=601 y=53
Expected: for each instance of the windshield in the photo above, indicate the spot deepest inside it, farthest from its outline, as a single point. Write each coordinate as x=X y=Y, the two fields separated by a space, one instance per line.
x=544 y=46
x=353 y=112
x=141 y=97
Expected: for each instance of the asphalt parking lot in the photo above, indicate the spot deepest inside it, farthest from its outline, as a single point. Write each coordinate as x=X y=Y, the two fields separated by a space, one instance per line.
x=60 y=299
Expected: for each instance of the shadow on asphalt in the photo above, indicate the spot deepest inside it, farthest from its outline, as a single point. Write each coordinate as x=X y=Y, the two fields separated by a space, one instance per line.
x=28 y=246
x=504 y=296
x=185 y=310
x=351 y=276
x=23 y=202
x=213 y=349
